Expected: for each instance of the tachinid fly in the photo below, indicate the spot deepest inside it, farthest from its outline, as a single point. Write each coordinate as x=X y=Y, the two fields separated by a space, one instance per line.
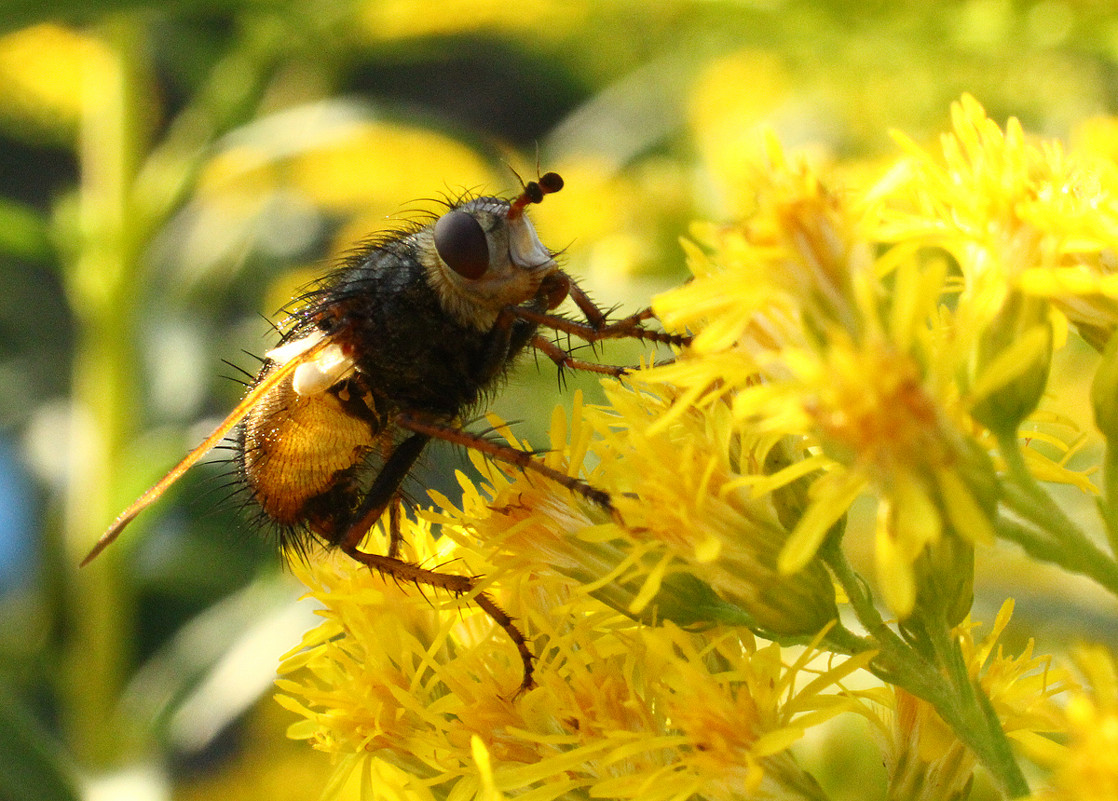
x=390 y=350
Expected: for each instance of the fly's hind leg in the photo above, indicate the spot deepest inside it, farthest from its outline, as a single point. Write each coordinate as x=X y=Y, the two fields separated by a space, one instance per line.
x=453 y=583
x=384 y=495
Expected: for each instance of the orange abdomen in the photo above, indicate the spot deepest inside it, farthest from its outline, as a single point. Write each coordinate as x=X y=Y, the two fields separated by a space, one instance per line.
x=296 y=448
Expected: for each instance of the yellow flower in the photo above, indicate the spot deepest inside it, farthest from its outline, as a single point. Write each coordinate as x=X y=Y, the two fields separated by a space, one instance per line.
x=880 y=341
x=48 y=72
x=1022 y=689
x=400 y=19
x=1086 y=768
x=684 y=491
x=806 y=327
x=1014 y=215
x=688 y=542
x=621 y=710
x=924 y=759
x=896 y=332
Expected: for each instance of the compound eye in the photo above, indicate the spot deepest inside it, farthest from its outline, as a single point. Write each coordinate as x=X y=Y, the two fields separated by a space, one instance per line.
x=462 y=244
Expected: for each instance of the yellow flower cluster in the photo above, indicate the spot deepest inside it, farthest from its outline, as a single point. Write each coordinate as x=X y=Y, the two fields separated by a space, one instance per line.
x=923 y=757
x=418 y=690
x=890 y=341
x=1087 y=767
x=894 y=329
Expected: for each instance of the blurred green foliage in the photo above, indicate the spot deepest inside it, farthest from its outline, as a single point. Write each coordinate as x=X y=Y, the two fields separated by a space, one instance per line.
x=171 y=172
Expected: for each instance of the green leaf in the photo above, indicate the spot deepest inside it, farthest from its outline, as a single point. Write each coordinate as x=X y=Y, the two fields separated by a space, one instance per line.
x=21 y=13
x=23 y=231
x=32 y=767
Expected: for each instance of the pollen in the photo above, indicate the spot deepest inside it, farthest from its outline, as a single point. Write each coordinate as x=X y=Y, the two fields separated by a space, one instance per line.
x=870 y=406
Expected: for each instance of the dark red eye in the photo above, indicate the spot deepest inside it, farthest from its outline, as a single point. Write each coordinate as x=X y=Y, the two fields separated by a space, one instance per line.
x=462 y=244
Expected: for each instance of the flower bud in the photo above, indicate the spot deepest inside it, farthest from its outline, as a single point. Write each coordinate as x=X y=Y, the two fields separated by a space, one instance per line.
x=945 y=580
x=789 y=500
x=1011 y=369
x=795 y=604
x=1104 y=393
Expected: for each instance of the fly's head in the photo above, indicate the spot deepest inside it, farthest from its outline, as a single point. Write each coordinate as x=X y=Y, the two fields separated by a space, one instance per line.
x=484 y=255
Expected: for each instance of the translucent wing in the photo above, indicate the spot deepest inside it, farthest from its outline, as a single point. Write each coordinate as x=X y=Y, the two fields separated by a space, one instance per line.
x=283 y=372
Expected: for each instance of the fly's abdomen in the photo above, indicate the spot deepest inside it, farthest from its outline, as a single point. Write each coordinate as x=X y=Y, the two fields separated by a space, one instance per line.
x=297 y=448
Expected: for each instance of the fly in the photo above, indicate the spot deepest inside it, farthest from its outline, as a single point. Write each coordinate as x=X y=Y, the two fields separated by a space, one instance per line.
x=389 y=351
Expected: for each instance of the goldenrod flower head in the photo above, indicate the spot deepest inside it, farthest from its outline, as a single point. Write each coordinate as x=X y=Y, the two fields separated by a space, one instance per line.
x=805 y=326
x=793 y=268
x=689 y=541
x=998 y=202
x=1014 y=214
x=1086 y=768
x=685 y=490
x=1022 y=689
x=924 y=759
x=621 y=710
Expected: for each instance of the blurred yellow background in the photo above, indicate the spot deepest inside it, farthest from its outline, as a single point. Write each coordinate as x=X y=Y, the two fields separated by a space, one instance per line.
x=170 y=174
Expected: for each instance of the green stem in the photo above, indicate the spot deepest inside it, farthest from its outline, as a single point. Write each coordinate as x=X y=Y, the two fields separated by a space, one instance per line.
x=1107 y=504
x=1059 y=540
x=100 y=283
x=128 y=190
x=969 y=712
x=1028 y=495
x=1035 y=543
x=1084 y=557
x=843 y=641
x=894 y=664
x=944 y=683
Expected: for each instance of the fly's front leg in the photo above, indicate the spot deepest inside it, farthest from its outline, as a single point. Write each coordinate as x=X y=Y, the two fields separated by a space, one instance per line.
x=565 y=360
x=597 y=326
x=505 y=453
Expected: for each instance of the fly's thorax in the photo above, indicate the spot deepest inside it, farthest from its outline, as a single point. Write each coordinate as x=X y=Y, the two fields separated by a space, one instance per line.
x=479 y=260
